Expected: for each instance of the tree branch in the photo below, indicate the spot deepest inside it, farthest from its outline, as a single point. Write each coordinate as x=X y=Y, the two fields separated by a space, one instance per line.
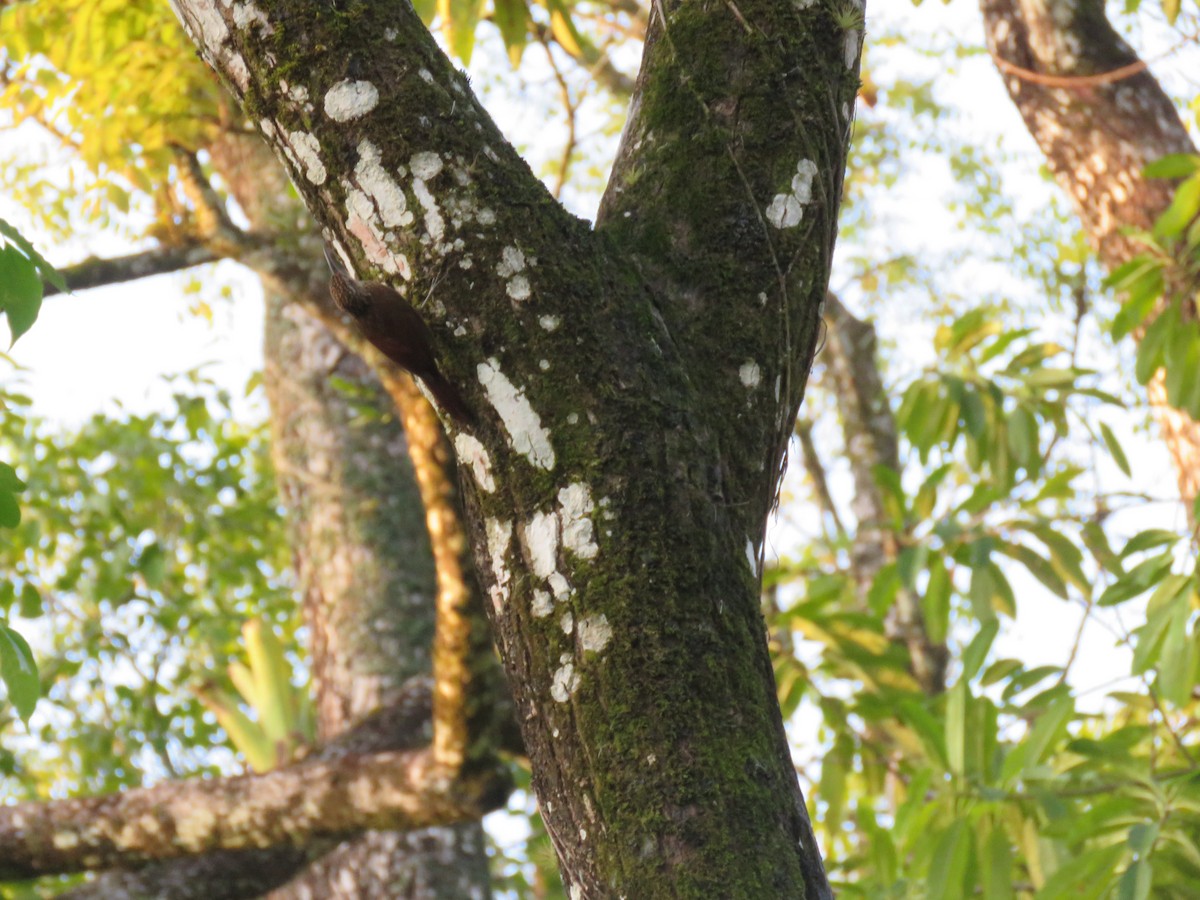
x=350 y=786
x=96 y=272
x=869 y=431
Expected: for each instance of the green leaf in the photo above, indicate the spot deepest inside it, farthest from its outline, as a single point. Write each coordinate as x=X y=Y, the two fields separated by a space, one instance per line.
x=1138 y=580
x=997 y=866
x=30 y=605
x=1148 y=539
x=1081 y=871
x=511 y=17
x=1164 y=607
x=563 y=28
x=1050 y=726
x=977 y=651
x=19 y=672
x=459 y=20
x=1175 y=165
x=1065 y=557
x=949 y=863
x=1177 y=659
x=9 y=480
x=426 y=10
x=46 y=270
x=935 y=604
x=1183 y=208
x=1023 y=438
x=1135 y=883
x=1038 y=567
x=20 y=291
x=1115 y=450
x=957 y=700
x=10 y=512
x=1153 y=343
x=923 y=503
x=1142 y=837
x=999 y=670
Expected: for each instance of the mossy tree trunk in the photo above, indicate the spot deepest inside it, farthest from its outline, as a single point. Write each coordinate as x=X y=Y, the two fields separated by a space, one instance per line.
x=634 y=386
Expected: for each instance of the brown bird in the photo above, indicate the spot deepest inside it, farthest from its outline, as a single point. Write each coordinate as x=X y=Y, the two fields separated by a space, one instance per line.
x=389 y=322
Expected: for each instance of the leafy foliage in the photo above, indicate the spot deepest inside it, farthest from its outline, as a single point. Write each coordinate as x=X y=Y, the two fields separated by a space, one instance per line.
x=149 y=540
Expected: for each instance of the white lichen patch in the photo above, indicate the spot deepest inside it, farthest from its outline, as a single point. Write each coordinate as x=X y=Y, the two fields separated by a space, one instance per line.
x=518 y=288
x=194 y=827
x=575 y=509
x=752 y=555
x=567 y=622
x=348 y=100
x=65 y=840
x=594 y=633
x=499 y=536
x=806 y=171
x=298 y=94
x=559 y=586
x=486 y=217
x=362 y=221
x=542 y=605
x=308 y=153
x=425 y=165
x=564 y=683
x=540 y=536
x=375 y=181
x=550 y=323
x=472 y=452
x=435 y=225
x=750 y=374
x=786 y=210
x=853 y=41
x=525 y=432
x=247 y=14
x=512 y=261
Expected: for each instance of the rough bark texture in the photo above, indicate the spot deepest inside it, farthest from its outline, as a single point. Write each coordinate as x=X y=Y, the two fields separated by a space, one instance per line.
x=243 y=874
x=368 y=584
x=1098 y=135
x=634 y=385
x=335 y=794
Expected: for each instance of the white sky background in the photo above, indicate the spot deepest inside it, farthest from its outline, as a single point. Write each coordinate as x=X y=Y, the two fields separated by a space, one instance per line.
x=118 y=342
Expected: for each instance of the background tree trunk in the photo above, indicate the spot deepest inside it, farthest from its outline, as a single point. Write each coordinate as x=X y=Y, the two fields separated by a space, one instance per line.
x=362 y=552
x=1100 y=118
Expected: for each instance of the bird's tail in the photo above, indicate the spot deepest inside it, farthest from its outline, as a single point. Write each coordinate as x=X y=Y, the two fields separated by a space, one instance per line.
x=448 y=398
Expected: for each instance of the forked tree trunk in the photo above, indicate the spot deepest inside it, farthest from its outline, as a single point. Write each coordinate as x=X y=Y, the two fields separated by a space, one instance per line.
x=634 y=385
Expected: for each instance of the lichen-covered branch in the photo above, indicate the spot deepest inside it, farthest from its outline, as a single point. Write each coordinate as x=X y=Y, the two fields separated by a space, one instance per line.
x=351 y=785
x=96 y=272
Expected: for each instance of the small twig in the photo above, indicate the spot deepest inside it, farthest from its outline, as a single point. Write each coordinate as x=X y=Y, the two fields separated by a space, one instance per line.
x=571 y=106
